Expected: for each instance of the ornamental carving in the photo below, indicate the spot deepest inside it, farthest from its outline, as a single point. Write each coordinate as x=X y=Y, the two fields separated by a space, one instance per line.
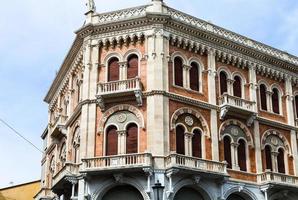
x=189 y=120
x=121 y=118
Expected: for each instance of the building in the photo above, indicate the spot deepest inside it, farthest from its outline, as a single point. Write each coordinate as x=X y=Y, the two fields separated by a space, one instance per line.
x=24 y=191
x=151 y=103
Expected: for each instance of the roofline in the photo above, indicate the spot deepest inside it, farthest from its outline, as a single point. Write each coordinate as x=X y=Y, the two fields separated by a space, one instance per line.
x=22 y=184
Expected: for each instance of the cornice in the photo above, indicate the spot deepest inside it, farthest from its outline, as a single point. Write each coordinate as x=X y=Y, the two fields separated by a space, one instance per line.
x=276 y=124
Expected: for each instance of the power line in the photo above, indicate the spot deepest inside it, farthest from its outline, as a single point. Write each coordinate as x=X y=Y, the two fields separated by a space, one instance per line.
x=20 y=135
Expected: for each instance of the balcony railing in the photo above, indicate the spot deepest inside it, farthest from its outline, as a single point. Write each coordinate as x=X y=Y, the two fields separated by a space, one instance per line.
x=69 y=169
x=175 y=160
x=119 y=161
x=277 y=178
x=119 y=86
x=227 y=99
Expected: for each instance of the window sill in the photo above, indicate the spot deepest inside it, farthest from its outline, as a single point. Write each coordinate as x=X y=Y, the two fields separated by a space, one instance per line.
x=271 y=113
x=188 y=90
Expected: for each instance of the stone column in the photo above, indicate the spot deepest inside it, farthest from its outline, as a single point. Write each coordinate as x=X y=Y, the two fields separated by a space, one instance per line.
x=253 y=86
x=289 y=101
x=123 y=70
x=294 y=149
x=186 y=80
x=274 y=161
x=258 y=150
x=188 y=143
x=230 y=83
x=121 y=142
x=234 y=152
x=269 y=101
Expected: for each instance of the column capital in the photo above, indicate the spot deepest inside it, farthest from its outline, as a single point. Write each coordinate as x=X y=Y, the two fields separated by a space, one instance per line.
x=122 y=132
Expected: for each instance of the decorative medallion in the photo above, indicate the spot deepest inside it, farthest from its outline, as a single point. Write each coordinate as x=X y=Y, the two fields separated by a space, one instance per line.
x=234 y=131
x=274 y=141
x=121 y=117
x=189 y=120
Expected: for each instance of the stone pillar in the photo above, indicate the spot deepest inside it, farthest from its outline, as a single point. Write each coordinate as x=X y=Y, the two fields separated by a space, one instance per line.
x=253 y=86
x=121 y=142
x=289 y=101
x=188 y=143
x=234 y=152
x=274 y=161
x=230 y=83
x=186 y=80
x=269 y=101
x=258 y=149
x=294 y=149
x=123 y=70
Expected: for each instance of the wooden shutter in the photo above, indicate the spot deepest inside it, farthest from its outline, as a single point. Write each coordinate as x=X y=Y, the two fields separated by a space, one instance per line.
x=281 y=161
x=242 y=155
x=194 y=77
x=268 y=157
x=296 y=106
x=223 y=83
x=237 y=87
x=132 y=66
x=263 y=96
x=178 y=71
x=132 y=139
x=111 y=141
x=197 y=144
x=180 y=140
x=113 y=70
x=227 y=151
x=275 y=101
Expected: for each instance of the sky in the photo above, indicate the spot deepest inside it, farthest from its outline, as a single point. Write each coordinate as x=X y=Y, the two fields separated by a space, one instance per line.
x=36 y=35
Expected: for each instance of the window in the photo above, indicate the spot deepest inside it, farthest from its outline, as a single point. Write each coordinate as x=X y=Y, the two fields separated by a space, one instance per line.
x=197 y=144
x=296 y=105
x=268 y=157
x=194 y=76
x=263 y=96
x=111 y=141
x=62 y=155
x=275 y=100
x=227 y=151
x=281 y=161
x=180 y=140
x=76 y=145
x=113 y=69
x=242 y=155
x=132 y=66
x=237 y=87
x=132 y=139
x=178 y=71
x=223 y=83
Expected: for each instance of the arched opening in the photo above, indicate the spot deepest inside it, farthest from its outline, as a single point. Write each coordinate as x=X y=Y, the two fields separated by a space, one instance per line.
x=113 y=69
x=236 y=197
x=268 y=157
x=178 y=71
x=227 y=151
x=189 y=194
x=180 y=145
x=223 y=83
x=132 y=139
x=296 y=106
x=237 y=87
x=123 y=192
x=242 y=155
x=194 y=76
x=76 y=145
x=263 y=96
x=197 y=144
x=281 y=161
x=275 y=101
x=111 y=141
x=132 y=66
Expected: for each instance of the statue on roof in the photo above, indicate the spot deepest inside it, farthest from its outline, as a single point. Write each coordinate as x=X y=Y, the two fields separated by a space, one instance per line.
x=90 y=5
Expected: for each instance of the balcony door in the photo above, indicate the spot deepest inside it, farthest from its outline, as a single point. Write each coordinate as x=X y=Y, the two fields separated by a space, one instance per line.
x=113 y=70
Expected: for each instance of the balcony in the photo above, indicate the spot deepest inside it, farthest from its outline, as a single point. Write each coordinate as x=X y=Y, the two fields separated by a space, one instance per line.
x=69 y=169
x=196 y=164
x=277 y=179
x=56 y=127
x=128 y=161
x=107 y=92
x=237 y=107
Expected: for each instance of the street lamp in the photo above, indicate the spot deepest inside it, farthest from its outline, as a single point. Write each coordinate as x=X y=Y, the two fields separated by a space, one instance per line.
x=158 y=191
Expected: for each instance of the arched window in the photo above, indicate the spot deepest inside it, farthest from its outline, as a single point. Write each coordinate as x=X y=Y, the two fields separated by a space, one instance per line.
x=132 y=66
x=197 y=144
x=268 y=157
x=237 y=87
x=113 y=69
x=132 y=139
x=76 y=145
x=194 y=76
x=242 y=155
x=62 y=155
x=227 y=151
x=296 y=105
x=111 y=141
x=178 y=71
x=180 y=146
x=275 y=100
x=263 y=97
x=223 y=82
x=281 y=161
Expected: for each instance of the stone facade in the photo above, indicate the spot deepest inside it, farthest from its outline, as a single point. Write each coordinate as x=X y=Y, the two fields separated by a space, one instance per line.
x=151 y=95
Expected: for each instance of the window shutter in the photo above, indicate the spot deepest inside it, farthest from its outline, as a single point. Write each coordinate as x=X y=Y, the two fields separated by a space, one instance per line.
x=194 y=77
x=132 y=66
x=223 y=83
x=227 y=151
x=197 y=144
x=275 y=101
x=237 y=87
x=113 y=70
x=180 y=140
x=268 y=157
x=112 y=141
x=178 y=71
x=263 y=97
x=132 y=139
x=281 y=161
x=242 y=155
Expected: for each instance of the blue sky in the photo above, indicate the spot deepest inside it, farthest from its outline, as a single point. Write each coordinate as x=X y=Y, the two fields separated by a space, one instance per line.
x=36 y=35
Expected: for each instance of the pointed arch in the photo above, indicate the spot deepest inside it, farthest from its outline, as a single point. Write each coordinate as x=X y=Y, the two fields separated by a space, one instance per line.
x=193 y=112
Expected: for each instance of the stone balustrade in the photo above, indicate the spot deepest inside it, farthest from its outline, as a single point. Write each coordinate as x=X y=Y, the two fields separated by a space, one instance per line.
x=118 y=161
x=230 y=100
x=192 y=163
x=119 y=86
x=69 y=169
x=277 y=178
